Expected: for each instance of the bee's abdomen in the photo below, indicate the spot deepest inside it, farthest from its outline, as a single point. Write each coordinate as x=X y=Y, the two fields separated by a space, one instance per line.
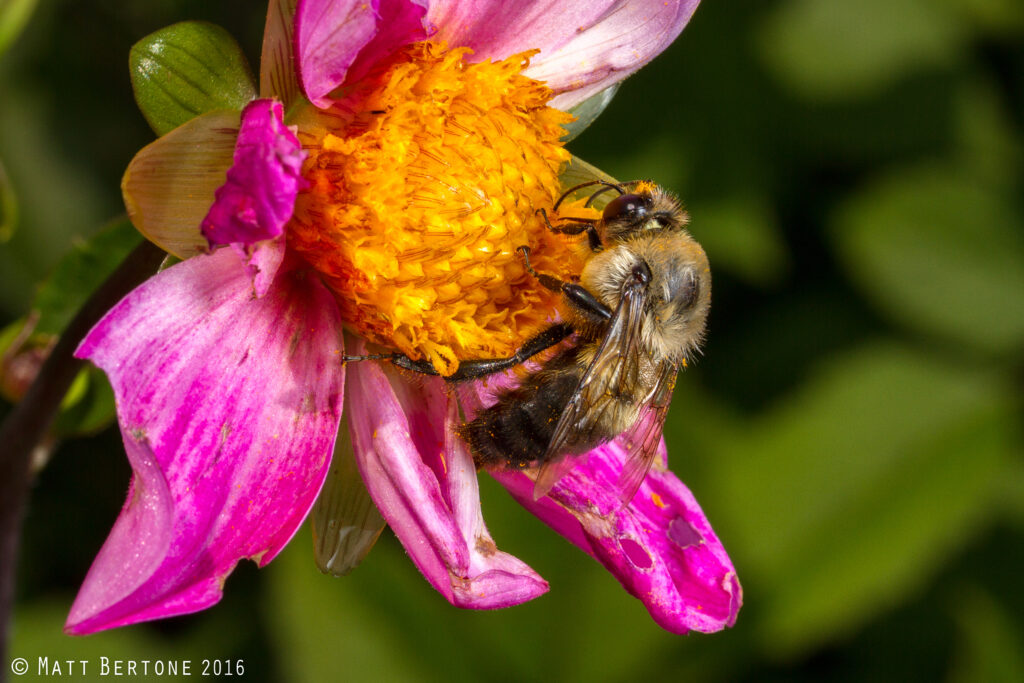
x=515 y=431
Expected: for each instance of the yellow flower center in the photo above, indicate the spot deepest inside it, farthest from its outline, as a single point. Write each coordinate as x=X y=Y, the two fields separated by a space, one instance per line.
x=424 y=180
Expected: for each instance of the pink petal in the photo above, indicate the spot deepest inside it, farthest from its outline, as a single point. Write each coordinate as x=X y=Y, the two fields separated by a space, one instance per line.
x=424 y=483
x=229 y=407
x=584 y=47
x=661 y=547
x=331 y=34
x=254 y=204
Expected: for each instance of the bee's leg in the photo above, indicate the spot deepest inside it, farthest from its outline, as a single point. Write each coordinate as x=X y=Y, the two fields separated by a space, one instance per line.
x=575 y=294
x=376 y=356
x=473 y=369
x=575 y=227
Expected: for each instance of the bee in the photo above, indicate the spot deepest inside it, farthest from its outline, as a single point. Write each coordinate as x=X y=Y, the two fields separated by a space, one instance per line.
x=638 y=313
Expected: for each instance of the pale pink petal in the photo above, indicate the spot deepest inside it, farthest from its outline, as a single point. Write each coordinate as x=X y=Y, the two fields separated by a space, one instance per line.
x=330 y=35
x=229 y=407
x=584 y=47
x=424 y=483
x=261 y=261
x=252 y=207
x=661 y=547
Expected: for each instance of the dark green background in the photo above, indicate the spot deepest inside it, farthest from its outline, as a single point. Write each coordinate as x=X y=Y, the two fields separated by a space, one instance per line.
x=853 y=430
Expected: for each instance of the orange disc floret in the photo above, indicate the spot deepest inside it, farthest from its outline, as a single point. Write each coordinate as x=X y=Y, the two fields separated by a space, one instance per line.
x=424 y=179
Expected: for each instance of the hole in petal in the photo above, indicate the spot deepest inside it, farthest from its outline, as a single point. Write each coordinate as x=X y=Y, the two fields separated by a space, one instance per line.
x=683 y=534
x=635 y=553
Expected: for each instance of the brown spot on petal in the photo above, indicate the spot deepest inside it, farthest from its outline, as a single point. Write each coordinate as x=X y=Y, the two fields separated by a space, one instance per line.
x=485 y=546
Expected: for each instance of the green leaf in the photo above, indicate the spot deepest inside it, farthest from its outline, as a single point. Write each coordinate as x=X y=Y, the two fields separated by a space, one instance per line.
x=92 y=410
x=842 y=50
x=79 y=273
x=851 y=493
x=14 y=15
x=991 y=644
x=187 y=69
x=941 y=253
x=89 y=406
x=8 y=207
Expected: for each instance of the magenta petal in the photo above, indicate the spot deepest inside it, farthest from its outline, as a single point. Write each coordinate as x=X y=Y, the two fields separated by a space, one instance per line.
x=424 y=483
x=252 y=207
x=661 y=547
x=265 y=176
x=331 y=34
x=229 y=407
x=401 y=22
x=584 y=47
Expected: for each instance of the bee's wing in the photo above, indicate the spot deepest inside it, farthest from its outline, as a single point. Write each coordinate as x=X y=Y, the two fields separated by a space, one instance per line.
x=612 y=373
x=643 y=437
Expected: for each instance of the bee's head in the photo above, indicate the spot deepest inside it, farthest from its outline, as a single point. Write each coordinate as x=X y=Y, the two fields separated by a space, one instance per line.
x=649 y=208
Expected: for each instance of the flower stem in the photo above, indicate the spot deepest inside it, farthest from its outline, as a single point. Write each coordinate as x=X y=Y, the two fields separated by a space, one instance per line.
x=28 y=422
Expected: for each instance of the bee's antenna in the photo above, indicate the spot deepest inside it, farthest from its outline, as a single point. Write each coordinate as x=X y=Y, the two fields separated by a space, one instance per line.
x=607 y=186
x=621 y=187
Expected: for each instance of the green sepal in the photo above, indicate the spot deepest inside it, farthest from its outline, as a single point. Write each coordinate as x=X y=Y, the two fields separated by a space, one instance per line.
x=577 y=172
x=187 y=69
x=346 y=522
x=587 y=111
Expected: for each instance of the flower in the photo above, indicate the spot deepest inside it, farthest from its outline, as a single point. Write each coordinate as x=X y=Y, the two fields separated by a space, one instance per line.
x=391 y=208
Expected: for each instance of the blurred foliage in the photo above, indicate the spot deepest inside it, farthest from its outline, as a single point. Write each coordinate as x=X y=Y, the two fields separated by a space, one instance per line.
x=853 y=431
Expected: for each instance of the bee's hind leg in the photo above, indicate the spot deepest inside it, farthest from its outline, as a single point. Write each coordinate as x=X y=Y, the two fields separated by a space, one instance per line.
x=474 y=369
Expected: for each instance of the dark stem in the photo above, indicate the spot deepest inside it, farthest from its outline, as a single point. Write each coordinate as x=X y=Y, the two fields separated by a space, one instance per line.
x=28 y=422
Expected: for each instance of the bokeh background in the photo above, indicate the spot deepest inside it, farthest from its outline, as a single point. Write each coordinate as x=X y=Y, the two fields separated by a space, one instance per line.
x=853 y=430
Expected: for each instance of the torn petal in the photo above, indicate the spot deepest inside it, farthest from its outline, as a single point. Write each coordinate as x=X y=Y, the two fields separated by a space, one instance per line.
x=424 y=484
x=229 y=407
x=660 y=547
x=254 y=204
x=266 y=174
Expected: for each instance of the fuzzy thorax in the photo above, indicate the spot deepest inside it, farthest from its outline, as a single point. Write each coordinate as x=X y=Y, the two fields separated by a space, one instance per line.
x=424 y=179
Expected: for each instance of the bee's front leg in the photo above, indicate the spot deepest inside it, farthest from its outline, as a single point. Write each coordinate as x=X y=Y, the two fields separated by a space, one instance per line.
x=576 y=295
x=575 y=226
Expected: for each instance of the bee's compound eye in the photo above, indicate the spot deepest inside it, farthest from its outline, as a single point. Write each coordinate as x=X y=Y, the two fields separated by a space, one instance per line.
x=629 y=206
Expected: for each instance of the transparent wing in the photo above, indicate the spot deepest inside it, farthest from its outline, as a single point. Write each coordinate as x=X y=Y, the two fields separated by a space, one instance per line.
x=642 y=439
x=611 y=376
